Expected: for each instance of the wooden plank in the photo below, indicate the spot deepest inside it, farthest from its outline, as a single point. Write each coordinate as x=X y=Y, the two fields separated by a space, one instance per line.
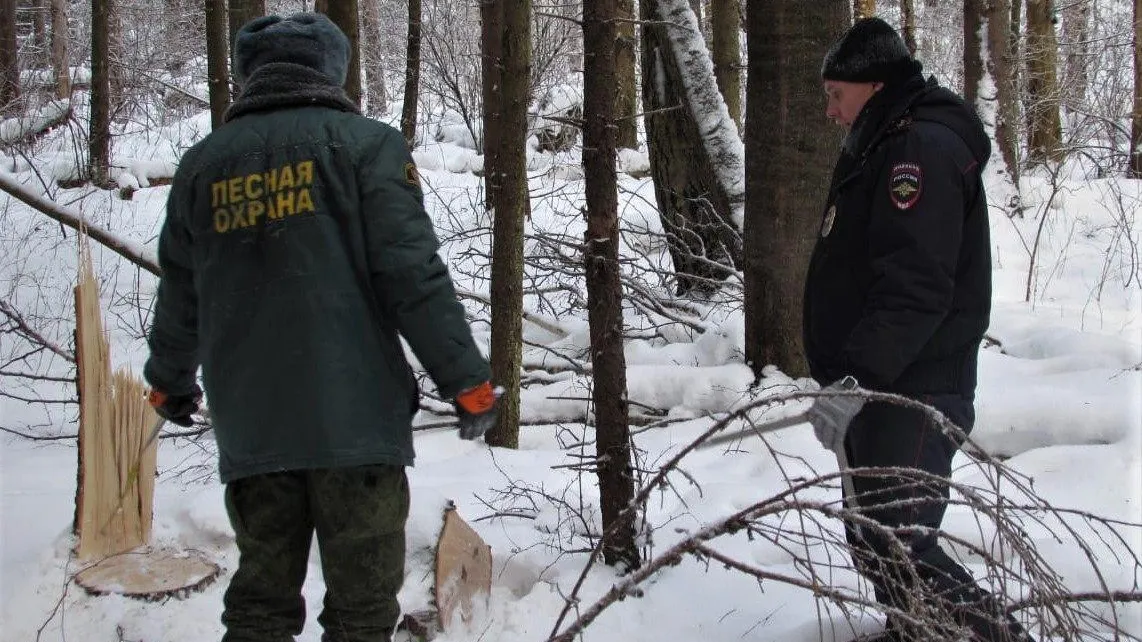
x=463 y=571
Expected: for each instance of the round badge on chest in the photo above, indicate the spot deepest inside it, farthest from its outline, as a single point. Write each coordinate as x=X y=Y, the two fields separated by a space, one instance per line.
x=827 y=225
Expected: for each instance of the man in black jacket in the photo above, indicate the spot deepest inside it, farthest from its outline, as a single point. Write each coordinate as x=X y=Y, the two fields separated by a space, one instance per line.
x=898 y=295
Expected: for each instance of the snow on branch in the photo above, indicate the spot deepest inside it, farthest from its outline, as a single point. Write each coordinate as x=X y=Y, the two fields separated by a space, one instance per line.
x=125 y=248
x=717 y=130
x=14 y=130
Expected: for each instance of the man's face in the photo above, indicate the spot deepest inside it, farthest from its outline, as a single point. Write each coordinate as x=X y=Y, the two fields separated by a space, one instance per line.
x=846 y=99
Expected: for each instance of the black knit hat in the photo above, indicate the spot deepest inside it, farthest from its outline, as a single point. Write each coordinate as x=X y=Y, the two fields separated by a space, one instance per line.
x=870 y=51
x=308 y=39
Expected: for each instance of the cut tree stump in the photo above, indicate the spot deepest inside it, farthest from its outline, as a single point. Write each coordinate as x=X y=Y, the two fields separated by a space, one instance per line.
x=149 y=574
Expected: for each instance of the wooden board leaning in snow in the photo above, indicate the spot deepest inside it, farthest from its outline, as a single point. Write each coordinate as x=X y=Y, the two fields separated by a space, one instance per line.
x=463 y=570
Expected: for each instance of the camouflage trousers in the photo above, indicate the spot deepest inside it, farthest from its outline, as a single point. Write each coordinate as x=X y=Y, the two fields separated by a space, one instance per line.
x=359 y=516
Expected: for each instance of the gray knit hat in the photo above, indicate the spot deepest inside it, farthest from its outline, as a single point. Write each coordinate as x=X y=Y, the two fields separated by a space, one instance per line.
x=308 y=39
x=870 y=51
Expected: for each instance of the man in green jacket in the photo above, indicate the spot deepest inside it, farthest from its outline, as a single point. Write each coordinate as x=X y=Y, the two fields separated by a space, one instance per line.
x=295 y=249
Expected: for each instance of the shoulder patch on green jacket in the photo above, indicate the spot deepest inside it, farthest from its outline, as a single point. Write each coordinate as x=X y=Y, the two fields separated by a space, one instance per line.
x=411 y=176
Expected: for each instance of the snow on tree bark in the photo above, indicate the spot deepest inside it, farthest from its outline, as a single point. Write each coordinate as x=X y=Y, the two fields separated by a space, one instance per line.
x=696 y=155
x=718 y=131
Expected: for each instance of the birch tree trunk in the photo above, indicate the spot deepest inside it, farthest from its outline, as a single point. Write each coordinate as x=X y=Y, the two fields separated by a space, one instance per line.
x=343 y=13
x=60 y=63
x=510 y=209
x=1046 y=131
x=703 y=240
x=604 y=291
x=790 y=150
x=9 y=65
x=626 y=98
x=411 y=74
x=218 y=78
x=99 y=138
x=725 y=26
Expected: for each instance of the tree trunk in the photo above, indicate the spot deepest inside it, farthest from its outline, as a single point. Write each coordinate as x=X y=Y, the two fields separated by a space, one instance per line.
x=1015 y=49
x=1136 y=129
x=373 y=56
x=703 y=241
x=1016 y=22
x=999 y=64
x=117 y=75
x=491 y=67
x=39 y=32
x=1076 y=33
x=99 y=140
x=510 y=209
x=217 y=74
x=9 y=65
x=908 y=24
x=60 y=62
x=626 y=105
x=863 y=9
x=343 y=13
x=242 y=11
x=411 y=74
x=1045 y=141
x=604 y=291
x=725 y=25
x=973 y=50
x=789 y=156
x=321 y=6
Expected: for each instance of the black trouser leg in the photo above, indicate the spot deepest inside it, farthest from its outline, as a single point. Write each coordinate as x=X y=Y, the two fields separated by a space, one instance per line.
x=886 y=435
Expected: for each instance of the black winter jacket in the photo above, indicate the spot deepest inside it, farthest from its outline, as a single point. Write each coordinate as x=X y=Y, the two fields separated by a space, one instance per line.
x=898 y=292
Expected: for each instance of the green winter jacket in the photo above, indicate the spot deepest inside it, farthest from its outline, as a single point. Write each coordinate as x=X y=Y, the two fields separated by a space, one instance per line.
x=295 y=248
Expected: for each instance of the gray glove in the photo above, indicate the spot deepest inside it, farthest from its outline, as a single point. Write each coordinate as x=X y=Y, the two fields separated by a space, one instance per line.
x=830 y=415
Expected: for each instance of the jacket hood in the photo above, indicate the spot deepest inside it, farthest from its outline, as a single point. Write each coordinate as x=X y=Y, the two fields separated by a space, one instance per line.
x=917 y=99
x=943 y=106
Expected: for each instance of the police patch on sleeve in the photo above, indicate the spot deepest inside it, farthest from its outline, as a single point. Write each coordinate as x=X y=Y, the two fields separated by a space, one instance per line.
x=905 y=185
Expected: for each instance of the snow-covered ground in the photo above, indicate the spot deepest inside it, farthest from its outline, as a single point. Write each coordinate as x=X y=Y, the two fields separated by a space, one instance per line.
x=1060 y=398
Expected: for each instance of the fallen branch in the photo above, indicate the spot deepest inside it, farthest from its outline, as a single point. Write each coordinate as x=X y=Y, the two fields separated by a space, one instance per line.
x=527 y=316
x=75 y=220
x=15 y=131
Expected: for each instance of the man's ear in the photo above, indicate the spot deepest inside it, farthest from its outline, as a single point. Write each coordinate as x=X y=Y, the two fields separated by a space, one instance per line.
x=877 y=86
